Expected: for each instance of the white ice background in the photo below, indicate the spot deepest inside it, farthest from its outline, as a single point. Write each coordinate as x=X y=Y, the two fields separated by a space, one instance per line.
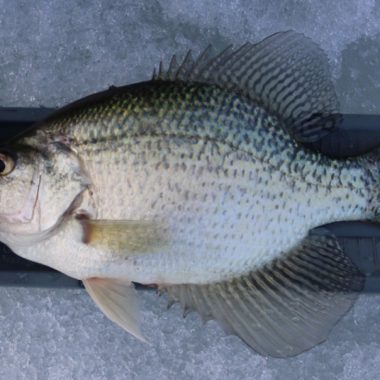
x=53 y=52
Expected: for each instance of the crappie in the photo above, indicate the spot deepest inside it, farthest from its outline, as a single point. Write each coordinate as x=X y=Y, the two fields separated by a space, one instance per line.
x=199 y=182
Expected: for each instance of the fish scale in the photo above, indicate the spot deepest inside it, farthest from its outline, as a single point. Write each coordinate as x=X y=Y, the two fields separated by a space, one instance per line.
x=227 y=128
x=199 y=183
x=173 y=114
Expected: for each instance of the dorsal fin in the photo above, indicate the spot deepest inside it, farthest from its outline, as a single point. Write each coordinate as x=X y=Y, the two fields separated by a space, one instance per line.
x=286 y=73
x=186 y=67
x=173 y=68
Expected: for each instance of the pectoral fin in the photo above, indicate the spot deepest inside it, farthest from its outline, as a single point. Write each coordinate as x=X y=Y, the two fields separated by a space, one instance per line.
x=117 y=299
x=129 y=237
x=286 y=307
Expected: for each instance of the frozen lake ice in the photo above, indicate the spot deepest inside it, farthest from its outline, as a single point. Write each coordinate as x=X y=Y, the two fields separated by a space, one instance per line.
x=55 y=52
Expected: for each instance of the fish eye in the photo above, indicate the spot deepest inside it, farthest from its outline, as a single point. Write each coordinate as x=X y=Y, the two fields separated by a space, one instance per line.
x=7 y=164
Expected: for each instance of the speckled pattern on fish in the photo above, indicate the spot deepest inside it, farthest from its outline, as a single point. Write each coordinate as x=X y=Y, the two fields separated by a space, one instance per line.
x=199 y=183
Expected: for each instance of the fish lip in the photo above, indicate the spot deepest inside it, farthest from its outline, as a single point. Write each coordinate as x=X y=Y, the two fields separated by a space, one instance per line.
x=27 y=212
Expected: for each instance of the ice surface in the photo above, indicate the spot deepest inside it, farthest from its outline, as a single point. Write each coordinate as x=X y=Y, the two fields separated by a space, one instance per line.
x=54 y=52
x=60 y=334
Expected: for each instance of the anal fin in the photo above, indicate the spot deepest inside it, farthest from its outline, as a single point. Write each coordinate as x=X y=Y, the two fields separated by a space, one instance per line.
x=286 y=307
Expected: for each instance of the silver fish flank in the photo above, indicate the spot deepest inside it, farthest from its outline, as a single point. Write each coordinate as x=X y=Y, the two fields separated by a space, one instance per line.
x=200 y=183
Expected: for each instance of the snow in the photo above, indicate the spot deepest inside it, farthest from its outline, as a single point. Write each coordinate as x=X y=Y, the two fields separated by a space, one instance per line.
x=54 y=52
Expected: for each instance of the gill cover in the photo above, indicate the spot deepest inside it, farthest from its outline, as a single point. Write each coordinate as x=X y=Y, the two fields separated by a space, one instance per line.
x=45 y=185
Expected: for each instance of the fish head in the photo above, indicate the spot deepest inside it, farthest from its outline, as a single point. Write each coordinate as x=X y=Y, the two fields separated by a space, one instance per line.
x=41 y=181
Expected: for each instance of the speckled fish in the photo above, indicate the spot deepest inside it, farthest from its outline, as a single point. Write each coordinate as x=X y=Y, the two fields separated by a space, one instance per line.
x=199 y=182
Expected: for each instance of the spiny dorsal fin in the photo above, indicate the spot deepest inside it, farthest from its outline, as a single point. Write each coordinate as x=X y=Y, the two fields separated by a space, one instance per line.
x=161 y=71
x=185 y=69
x=288 y=306
x=200 y=62
x=173 y=68
x=154 y=75
x=286 y=73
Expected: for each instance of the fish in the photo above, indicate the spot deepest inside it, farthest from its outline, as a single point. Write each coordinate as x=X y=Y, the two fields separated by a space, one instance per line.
x=201 y=182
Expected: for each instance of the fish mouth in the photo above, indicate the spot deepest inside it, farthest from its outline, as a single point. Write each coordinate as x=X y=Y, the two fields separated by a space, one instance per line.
x=27 y=212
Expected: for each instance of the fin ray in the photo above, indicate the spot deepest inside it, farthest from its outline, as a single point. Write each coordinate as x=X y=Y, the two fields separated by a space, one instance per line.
x=286 y=73
x=286 y=307
x=117 y=299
